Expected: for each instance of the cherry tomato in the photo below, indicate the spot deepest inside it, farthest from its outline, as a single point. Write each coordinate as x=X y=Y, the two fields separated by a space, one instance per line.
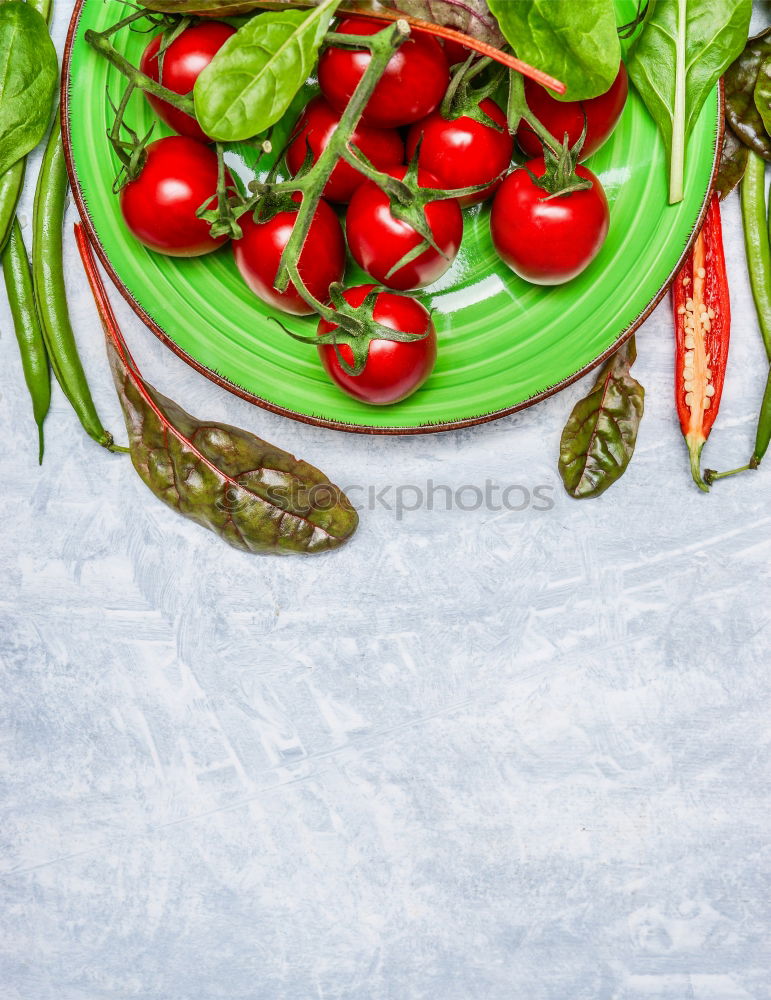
x=455 y=52
x=559 y=117
x=412 y=86
x=321 y=262
x=378 y=240
x=183 y=60
x=394 y=369
x=160 y=206
x=464 y=152
x=382 y=147
x=548 y=240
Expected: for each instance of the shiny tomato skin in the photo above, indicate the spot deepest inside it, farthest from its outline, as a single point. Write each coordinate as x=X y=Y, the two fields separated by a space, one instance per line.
x=315 y=127
x=180 y=66
x=559 y=117
x=394 y=369
x=412 y=86
x=160 y=206
x=548 y=241
x=378 y=241
x=322 y=261
x=455 y=52
x=464 y=152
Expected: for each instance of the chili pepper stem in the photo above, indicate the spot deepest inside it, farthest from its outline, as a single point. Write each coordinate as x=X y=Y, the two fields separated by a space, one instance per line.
x=696 y=444
x=711 y=475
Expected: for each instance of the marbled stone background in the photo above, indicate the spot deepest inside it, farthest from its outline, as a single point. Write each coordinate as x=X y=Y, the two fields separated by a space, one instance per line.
x=473 y=756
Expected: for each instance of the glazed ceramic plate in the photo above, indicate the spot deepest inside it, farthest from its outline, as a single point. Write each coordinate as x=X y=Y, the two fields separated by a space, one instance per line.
x=503 y=344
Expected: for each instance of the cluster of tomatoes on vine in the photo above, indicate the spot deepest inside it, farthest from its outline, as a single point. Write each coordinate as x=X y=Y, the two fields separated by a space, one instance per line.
x=548 y=220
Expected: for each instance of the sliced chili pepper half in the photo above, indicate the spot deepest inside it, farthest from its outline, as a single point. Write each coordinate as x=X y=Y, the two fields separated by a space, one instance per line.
x=702 y=332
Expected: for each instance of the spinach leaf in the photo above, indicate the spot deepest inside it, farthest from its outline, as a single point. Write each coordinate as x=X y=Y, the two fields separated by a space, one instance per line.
x=574 y=42
x=28 y=75
x=740 y=79
x=733 y=163
x=599 y=438
x=251 y=81
x=763 y=93
x=676 y=61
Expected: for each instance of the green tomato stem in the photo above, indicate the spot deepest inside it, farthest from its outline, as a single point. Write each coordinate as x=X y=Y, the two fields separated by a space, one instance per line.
x=101 y=43
x=518 y=111
x=382 y=46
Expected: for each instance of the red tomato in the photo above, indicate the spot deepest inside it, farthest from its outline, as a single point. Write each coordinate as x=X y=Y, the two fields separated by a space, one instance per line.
x=464 y=152
x=412 y=86
x=394 y=369
x=548 y=240
x=382 y=147
x=378 y=241
x=321 y=262
x=559 y=117
x=160 y=206
x=181 y=63
x=455 y=52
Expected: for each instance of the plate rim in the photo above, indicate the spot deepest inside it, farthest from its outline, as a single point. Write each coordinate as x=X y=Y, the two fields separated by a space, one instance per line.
x=339 y=425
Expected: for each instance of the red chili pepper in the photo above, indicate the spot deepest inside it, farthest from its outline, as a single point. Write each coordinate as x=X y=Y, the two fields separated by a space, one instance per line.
x=702 y=332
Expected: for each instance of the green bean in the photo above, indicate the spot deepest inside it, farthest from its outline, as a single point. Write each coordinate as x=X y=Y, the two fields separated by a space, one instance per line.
x=756 y=242
x=757 y=245
x=21 y=297
x=11 y=183
x=48 y=279
x=763 y=434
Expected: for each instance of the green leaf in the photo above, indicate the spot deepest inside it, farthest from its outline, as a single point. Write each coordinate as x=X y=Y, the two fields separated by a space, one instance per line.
x=255 y=496
x=733 y=163
x=741 y=110
x=763 y=93
x=715 y=32
x=251 y=81
x=599 y=438
x=576 y=42
x=28 y=74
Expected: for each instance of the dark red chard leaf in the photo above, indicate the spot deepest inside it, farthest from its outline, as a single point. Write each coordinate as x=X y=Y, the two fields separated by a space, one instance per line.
x=741 y=111
x=255 y=496
x=599 y=438
x=733 y=163
x=472 y=17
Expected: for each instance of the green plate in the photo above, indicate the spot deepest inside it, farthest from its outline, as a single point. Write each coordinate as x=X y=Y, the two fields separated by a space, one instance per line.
x=503 y=344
